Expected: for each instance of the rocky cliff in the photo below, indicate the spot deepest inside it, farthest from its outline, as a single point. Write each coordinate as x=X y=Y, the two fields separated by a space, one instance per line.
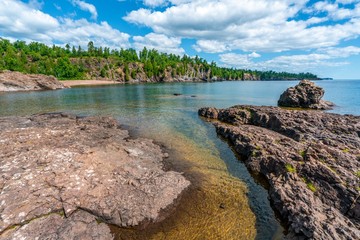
x=15 y=81
x=102 y=68
x=64 y=177
x=310 y=159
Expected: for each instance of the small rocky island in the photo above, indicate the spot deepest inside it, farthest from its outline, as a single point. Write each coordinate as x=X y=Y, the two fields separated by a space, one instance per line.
x=66 y=177
x=305 y=95
x=16 y=81
x=310 y=160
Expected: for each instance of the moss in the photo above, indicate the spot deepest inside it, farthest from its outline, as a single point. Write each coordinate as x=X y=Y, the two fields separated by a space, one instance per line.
x=303 y=154
x=357 y=174
x=99 y=221
x=309 y=184
x=346 y=150
x=290 y=168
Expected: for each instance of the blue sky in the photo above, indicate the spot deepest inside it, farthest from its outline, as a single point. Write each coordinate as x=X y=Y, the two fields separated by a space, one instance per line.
x=322 y=37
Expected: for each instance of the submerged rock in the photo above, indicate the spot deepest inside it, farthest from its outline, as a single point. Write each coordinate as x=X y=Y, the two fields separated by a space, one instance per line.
x=16 y=81
x=56 y=167
x=310 y=160
x=304 y=95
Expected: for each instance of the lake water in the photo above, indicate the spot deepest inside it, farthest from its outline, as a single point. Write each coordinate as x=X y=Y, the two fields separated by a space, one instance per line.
x=153 y=111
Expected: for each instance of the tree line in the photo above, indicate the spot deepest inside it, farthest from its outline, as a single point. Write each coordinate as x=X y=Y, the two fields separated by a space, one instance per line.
x=71 y=62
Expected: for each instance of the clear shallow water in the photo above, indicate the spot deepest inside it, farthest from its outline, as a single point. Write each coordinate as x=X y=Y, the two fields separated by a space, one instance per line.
x=153 y=111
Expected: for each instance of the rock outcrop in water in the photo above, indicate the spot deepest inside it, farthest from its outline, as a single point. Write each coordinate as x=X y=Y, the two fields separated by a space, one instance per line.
x=304 y=95
x=64 y=177
x=310 y=159
x=15 y=81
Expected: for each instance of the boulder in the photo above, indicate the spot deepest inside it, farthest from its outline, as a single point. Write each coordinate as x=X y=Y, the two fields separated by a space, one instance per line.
x=304 y=95
x=16 y=81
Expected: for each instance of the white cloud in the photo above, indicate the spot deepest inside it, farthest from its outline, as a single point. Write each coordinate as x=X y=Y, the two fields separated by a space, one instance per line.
x=159 y=42
x=19 y=21
x=37 y=4
x=210 y=46
x=347 y=1
x=57 y=7
x=154 y=3
x=327 y=57
x=254 y=55
x=86 y=7
x=252 y=25
x=80 y=32
x=335 y=11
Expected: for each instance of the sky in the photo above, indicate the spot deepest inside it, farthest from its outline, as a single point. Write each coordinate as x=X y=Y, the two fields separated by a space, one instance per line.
x=322 y=37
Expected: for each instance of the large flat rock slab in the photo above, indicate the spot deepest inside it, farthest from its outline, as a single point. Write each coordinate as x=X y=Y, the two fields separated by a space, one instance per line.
x=58 y=163
x=310 y=159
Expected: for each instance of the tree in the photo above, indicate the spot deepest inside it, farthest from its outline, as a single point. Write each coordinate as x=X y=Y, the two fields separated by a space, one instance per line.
x=91 y=48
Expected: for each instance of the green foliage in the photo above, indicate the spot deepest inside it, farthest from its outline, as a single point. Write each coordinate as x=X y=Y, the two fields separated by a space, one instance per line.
x=103 y=73
x=65 y=70
x=311 y=186
x=127 y=73
x=61 y=62
x=357 y=174
x=346 y=150
x=133 y=74
x=290 y=168
x=303 y=154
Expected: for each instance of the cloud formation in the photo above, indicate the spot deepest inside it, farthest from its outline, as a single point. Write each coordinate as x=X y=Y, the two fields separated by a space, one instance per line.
x=19 y=21
x=253 y=25
x=86 y=7
x=160 y=42
x=326 y=57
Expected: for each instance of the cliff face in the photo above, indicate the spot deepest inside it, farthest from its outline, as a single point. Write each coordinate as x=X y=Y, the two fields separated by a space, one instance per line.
x=111 y=69
x=15 y=81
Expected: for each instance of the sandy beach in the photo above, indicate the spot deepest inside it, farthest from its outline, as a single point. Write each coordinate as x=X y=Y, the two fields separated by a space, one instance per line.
x=72 y=83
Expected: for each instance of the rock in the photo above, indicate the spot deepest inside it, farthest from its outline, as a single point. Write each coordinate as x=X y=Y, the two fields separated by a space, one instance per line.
x=304 y=95
x=80 y=225
x=16 y=81
x=310 y=160
x=58 y=163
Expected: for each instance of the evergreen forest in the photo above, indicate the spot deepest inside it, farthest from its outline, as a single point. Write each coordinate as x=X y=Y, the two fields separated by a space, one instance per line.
x=74 y=62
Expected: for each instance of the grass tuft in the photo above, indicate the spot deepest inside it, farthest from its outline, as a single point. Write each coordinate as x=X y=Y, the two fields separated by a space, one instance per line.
x=311 y=186
x=290 y=168
x=303 y=154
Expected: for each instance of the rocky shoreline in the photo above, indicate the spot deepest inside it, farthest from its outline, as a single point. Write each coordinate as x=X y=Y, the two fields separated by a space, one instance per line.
x=66 y=177
x=16 y=81
x=310 y=159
